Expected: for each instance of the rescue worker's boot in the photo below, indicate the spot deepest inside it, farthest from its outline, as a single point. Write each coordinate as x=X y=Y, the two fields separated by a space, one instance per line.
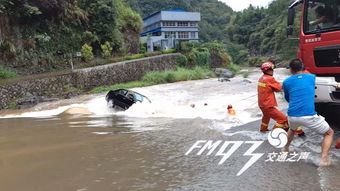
x=299 y=132
x=264 y=127
x=338 y=144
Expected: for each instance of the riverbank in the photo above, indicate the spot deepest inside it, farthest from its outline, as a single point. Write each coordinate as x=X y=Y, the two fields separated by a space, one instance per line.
x=162 y=77
x=70 y=83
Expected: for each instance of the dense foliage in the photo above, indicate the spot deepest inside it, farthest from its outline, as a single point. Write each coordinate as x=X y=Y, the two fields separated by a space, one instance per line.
x=52 y=31
x=262 y=32
x=207 y=55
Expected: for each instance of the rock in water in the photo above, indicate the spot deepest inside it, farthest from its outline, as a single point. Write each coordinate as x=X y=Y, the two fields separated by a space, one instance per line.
x=223 y=74
x=77 y=111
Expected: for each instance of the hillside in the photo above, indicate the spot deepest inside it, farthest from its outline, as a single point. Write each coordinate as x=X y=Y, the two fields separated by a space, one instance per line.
x=43 y=36
x=254 y=32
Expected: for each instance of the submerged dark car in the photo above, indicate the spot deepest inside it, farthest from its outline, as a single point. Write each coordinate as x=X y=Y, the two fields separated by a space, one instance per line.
x=123 y=98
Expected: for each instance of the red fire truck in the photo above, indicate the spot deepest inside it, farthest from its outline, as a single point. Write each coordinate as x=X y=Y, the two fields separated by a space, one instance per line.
x=319 y=49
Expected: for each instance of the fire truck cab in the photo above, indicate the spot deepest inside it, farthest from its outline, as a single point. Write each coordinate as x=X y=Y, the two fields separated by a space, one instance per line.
x=319 y=47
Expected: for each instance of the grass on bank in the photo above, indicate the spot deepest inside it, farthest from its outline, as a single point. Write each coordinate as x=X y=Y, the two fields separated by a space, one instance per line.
x=5 y=74
x=161 y=77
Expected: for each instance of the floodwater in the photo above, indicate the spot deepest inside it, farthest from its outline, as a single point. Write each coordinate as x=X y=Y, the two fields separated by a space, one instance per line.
x=144 y=147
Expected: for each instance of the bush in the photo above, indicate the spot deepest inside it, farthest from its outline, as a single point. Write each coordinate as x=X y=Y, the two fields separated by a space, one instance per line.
x=168 y=51
x=256 y=61
x=133 y=57
x=88 y=37
x=155 y=53
x=203 y=58
x=4 y=74
x=213 y=46
x=86 y=52
x=225 y=57
x=200 y=58
x=181 y=74
x=154 y=77
x=106 y=49
x=157 y=48
x=7 y=49
x=234 y=68
x=245 y=74
x=186 y=47
x=182 y=61
x=142 y=50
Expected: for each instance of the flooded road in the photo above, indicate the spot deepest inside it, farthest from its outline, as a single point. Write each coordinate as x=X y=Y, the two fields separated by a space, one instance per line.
x=144 y=148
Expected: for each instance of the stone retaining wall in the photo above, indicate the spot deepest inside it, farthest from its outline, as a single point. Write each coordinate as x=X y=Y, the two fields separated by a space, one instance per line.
x=85 y=79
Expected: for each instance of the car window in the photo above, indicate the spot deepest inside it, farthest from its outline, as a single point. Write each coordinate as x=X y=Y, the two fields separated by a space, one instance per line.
x=139 y=97
x=123 y=92
x=130 y=96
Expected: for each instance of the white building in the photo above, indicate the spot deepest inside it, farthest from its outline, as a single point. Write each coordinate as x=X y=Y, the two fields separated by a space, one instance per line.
x=165 y=29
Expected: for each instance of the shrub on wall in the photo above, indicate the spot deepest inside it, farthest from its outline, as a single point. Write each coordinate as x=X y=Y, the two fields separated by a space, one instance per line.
x=133 y=57
x=168 y=51
x=106 y=49
x=86 y=51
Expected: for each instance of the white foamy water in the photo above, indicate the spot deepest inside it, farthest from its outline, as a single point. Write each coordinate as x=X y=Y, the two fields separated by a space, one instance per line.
x=174 y=100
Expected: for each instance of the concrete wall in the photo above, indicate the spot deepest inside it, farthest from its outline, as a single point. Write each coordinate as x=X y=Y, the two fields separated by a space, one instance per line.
x=86 y=79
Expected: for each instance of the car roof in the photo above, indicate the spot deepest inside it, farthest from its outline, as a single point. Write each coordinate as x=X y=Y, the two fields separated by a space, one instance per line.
x=134 y=93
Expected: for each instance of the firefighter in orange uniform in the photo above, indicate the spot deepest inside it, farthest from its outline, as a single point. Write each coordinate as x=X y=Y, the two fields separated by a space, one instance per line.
x=267 y=85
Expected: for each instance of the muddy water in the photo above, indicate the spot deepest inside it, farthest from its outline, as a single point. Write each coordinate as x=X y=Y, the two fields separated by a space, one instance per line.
x=144 y=148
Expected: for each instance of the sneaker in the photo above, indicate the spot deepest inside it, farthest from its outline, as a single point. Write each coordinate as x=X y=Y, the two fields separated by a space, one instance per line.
x=301 y=134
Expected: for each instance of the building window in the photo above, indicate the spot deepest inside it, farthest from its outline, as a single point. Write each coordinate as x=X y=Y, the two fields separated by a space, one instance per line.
x=183 y=35
x=193 y=24
x=192 y=35
x=183 y=24
x=151 y=27
x=157 y=34
x=170 y=34
x=169 y=24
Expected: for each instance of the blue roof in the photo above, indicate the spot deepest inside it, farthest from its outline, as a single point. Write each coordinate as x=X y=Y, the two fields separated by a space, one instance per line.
x=171 y=10
x=176 y=10
x=151 y=31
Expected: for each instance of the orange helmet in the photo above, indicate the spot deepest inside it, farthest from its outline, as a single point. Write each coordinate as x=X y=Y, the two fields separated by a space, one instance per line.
x=266 y=66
